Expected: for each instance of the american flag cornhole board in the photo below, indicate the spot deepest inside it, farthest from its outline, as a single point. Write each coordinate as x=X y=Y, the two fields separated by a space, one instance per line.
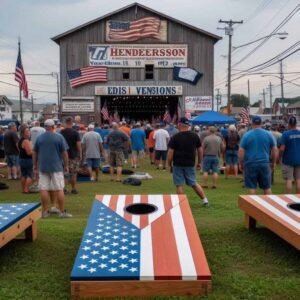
x=124 y=254
x=274 y=212
x=16 y=218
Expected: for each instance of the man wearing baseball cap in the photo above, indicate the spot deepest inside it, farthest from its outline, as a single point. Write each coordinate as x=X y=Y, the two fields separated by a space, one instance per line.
x=254 y=157
x=183 y=147
x=50 y=157
x=289 y=151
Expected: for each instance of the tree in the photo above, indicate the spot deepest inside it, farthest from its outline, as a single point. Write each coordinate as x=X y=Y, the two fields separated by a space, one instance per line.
x=239 y=100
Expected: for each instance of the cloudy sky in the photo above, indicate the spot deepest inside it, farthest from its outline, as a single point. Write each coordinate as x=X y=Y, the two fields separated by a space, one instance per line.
x=36 y=21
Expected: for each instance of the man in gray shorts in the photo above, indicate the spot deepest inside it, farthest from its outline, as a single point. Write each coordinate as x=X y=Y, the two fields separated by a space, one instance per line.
x=289 y=151
x=51 y=156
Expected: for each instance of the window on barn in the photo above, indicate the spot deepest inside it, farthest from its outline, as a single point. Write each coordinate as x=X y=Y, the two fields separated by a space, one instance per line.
x=149 y=72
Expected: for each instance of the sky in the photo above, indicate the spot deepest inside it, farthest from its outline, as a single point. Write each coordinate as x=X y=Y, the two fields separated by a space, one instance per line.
x=36 y=21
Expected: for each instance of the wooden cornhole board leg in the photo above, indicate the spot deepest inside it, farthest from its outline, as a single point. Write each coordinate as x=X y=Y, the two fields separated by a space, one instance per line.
x=250 y=222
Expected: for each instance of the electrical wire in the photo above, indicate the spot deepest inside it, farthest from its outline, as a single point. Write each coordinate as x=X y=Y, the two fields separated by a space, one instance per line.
x=33 y=90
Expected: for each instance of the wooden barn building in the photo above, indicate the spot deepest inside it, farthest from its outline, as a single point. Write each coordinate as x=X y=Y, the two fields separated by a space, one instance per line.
x=135 y=64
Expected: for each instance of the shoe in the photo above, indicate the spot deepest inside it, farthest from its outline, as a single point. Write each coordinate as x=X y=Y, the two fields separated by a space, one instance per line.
x=213 y=187
x=205 y=186
x=75 y=192
x=54 y=210
x=66 y=192
x=92 y=179
x=45 y=214
x=64 y=215
x=205 y=204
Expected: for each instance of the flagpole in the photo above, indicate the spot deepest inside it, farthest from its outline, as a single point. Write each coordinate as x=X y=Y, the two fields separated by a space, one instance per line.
x=20 y=90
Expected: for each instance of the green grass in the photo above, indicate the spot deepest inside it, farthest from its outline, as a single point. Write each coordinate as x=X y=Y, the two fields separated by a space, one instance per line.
x=245 y=265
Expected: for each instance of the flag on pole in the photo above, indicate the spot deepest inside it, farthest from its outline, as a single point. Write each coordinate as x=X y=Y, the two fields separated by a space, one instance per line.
x=116 y=117
x=147 y=27
x=174 y=119
x=245 y=115
x=186 y=74
x=105 y=112
x=167 y=117
x=20 y=76
x=86 y=75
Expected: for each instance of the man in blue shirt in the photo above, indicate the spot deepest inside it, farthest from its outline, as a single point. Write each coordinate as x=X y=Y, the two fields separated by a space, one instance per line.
x=254 y=156
x=138 y=142
x=50 y=157
x=289 y=151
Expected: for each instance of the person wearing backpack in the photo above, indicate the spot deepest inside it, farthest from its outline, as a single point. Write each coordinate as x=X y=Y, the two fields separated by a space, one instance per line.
x=231 y=151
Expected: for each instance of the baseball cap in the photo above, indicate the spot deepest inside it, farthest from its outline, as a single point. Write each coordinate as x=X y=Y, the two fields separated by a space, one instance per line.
x=184 y=121
x=292 y=121
x=256 y=120
x=91 y=126
x=197 y=128
x=11 y=124
x=49 y=123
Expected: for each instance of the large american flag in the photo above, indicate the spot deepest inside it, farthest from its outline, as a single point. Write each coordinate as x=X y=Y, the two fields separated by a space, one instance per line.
x=20 y=76
x=147 y=27
x=163 y=245
x=167 y=117
x=10 y=213
x=105 y=112
x=87 y=74
x=245 y=115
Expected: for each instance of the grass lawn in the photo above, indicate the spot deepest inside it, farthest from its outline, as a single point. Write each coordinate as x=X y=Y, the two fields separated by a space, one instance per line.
x=245 y=265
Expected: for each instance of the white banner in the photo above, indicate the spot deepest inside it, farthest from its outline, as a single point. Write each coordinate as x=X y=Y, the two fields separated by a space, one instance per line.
x=78 y=106
x=138 y=90
x=198 y=103
x=138 y=55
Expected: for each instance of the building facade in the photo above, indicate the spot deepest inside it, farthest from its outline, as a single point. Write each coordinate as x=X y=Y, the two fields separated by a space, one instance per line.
x=152 y=64
x=5 y=108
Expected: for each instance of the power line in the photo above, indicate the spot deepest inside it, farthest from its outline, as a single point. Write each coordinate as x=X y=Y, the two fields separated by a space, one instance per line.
x=7 y=83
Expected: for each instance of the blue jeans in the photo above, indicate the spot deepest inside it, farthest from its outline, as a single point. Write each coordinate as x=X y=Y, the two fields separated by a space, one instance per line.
x=26 y=167
x=183 y=175
x=211 y=162
x=12 y=160
x=231 y=157
x=258 y=173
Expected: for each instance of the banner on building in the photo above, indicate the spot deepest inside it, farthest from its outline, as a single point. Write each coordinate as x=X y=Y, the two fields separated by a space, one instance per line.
x=198 y=103
x=137 y=56
x=78 y=106
x=138 y=90
x=128 y=31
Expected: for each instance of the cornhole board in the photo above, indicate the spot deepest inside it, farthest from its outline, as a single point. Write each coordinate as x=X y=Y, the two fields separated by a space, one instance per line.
x=139 y=255
x=273 y=211
x=16 y=218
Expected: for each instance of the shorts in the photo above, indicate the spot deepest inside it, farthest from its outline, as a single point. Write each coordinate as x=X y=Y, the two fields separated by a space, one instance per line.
x=161 y=154
x=12 y=160
x=93 y=162
x=116 y=158
x=26 y=167
x=258 y=173
x=151 y=149
x=138 y=153
x=183 y=175
x=210 y=162
x=51 y=181
x=290 y=172
x=231 y=157
x=74 y=166
x=2 y=154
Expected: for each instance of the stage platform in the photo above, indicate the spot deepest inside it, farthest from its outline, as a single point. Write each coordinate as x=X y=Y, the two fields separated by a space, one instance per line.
x=140 y=245
x=16 y=218
x=279 y=213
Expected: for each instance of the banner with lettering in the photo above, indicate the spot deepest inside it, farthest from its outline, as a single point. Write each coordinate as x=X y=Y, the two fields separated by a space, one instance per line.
x=198 y=103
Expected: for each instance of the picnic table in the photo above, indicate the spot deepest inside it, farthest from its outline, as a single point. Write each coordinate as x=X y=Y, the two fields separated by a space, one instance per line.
x=16 y=218
x=279 y=213
x=140 y=245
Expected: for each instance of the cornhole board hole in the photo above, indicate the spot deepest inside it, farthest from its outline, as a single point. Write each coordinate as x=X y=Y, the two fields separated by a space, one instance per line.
x=16 y=218
x=279 y=213
x=139 y=246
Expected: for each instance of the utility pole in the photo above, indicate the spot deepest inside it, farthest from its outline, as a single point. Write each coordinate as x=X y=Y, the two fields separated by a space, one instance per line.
x=249 y=92
x=271 y=96
x=264 y=97
x=218 y=98
x=229 y=32
x=281 y=83
x=55 y=74
x=32 y=108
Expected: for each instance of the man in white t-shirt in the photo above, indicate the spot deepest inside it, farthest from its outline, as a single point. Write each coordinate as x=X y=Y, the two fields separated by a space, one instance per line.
x=35 y=131
x=161 y=137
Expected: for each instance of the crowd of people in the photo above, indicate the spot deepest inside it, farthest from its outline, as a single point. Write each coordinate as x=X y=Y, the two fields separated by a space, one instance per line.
x=52 y=155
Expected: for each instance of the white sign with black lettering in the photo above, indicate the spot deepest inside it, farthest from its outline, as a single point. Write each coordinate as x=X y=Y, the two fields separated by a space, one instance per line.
x=78 y=106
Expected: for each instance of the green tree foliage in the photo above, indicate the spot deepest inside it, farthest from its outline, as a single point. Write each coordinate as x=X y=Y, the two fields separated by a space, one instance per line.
x=239 y=100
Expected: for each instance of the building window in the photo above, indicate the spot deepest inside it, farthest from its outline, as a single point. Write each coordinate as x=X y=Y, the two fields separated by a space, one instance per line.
x=126 y=74
x=149 y=72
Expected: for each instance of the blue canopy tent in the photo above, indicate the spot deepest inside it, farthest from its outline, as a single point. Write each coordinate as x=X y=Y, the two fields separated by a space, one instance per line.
x=212 y=117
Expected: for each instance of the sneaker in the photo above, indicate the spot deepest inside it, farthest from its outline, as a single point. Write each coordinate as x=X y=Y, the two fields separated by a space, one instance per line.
x=65 y=215
x=205 y=204
x=92 y=179
x=54 y=210
x=45 y=214
x=66 y=192
x=75 y=192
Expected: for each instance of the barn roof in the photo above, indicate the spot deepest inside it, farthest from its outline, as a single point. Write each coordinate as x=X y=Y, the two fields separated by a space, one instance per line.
x=64 y=34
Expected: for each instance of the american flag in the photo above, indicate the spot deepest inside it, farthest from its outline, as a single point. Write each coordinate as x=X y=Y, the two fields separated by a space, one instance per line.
x=167 y=117
x=245 y=115
x=87 y=74
x=116 y=117
x=20 y=75
x=162 y=245
x=105 y=112
x=179 y=110
x=147 y=27
x=10 y=213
